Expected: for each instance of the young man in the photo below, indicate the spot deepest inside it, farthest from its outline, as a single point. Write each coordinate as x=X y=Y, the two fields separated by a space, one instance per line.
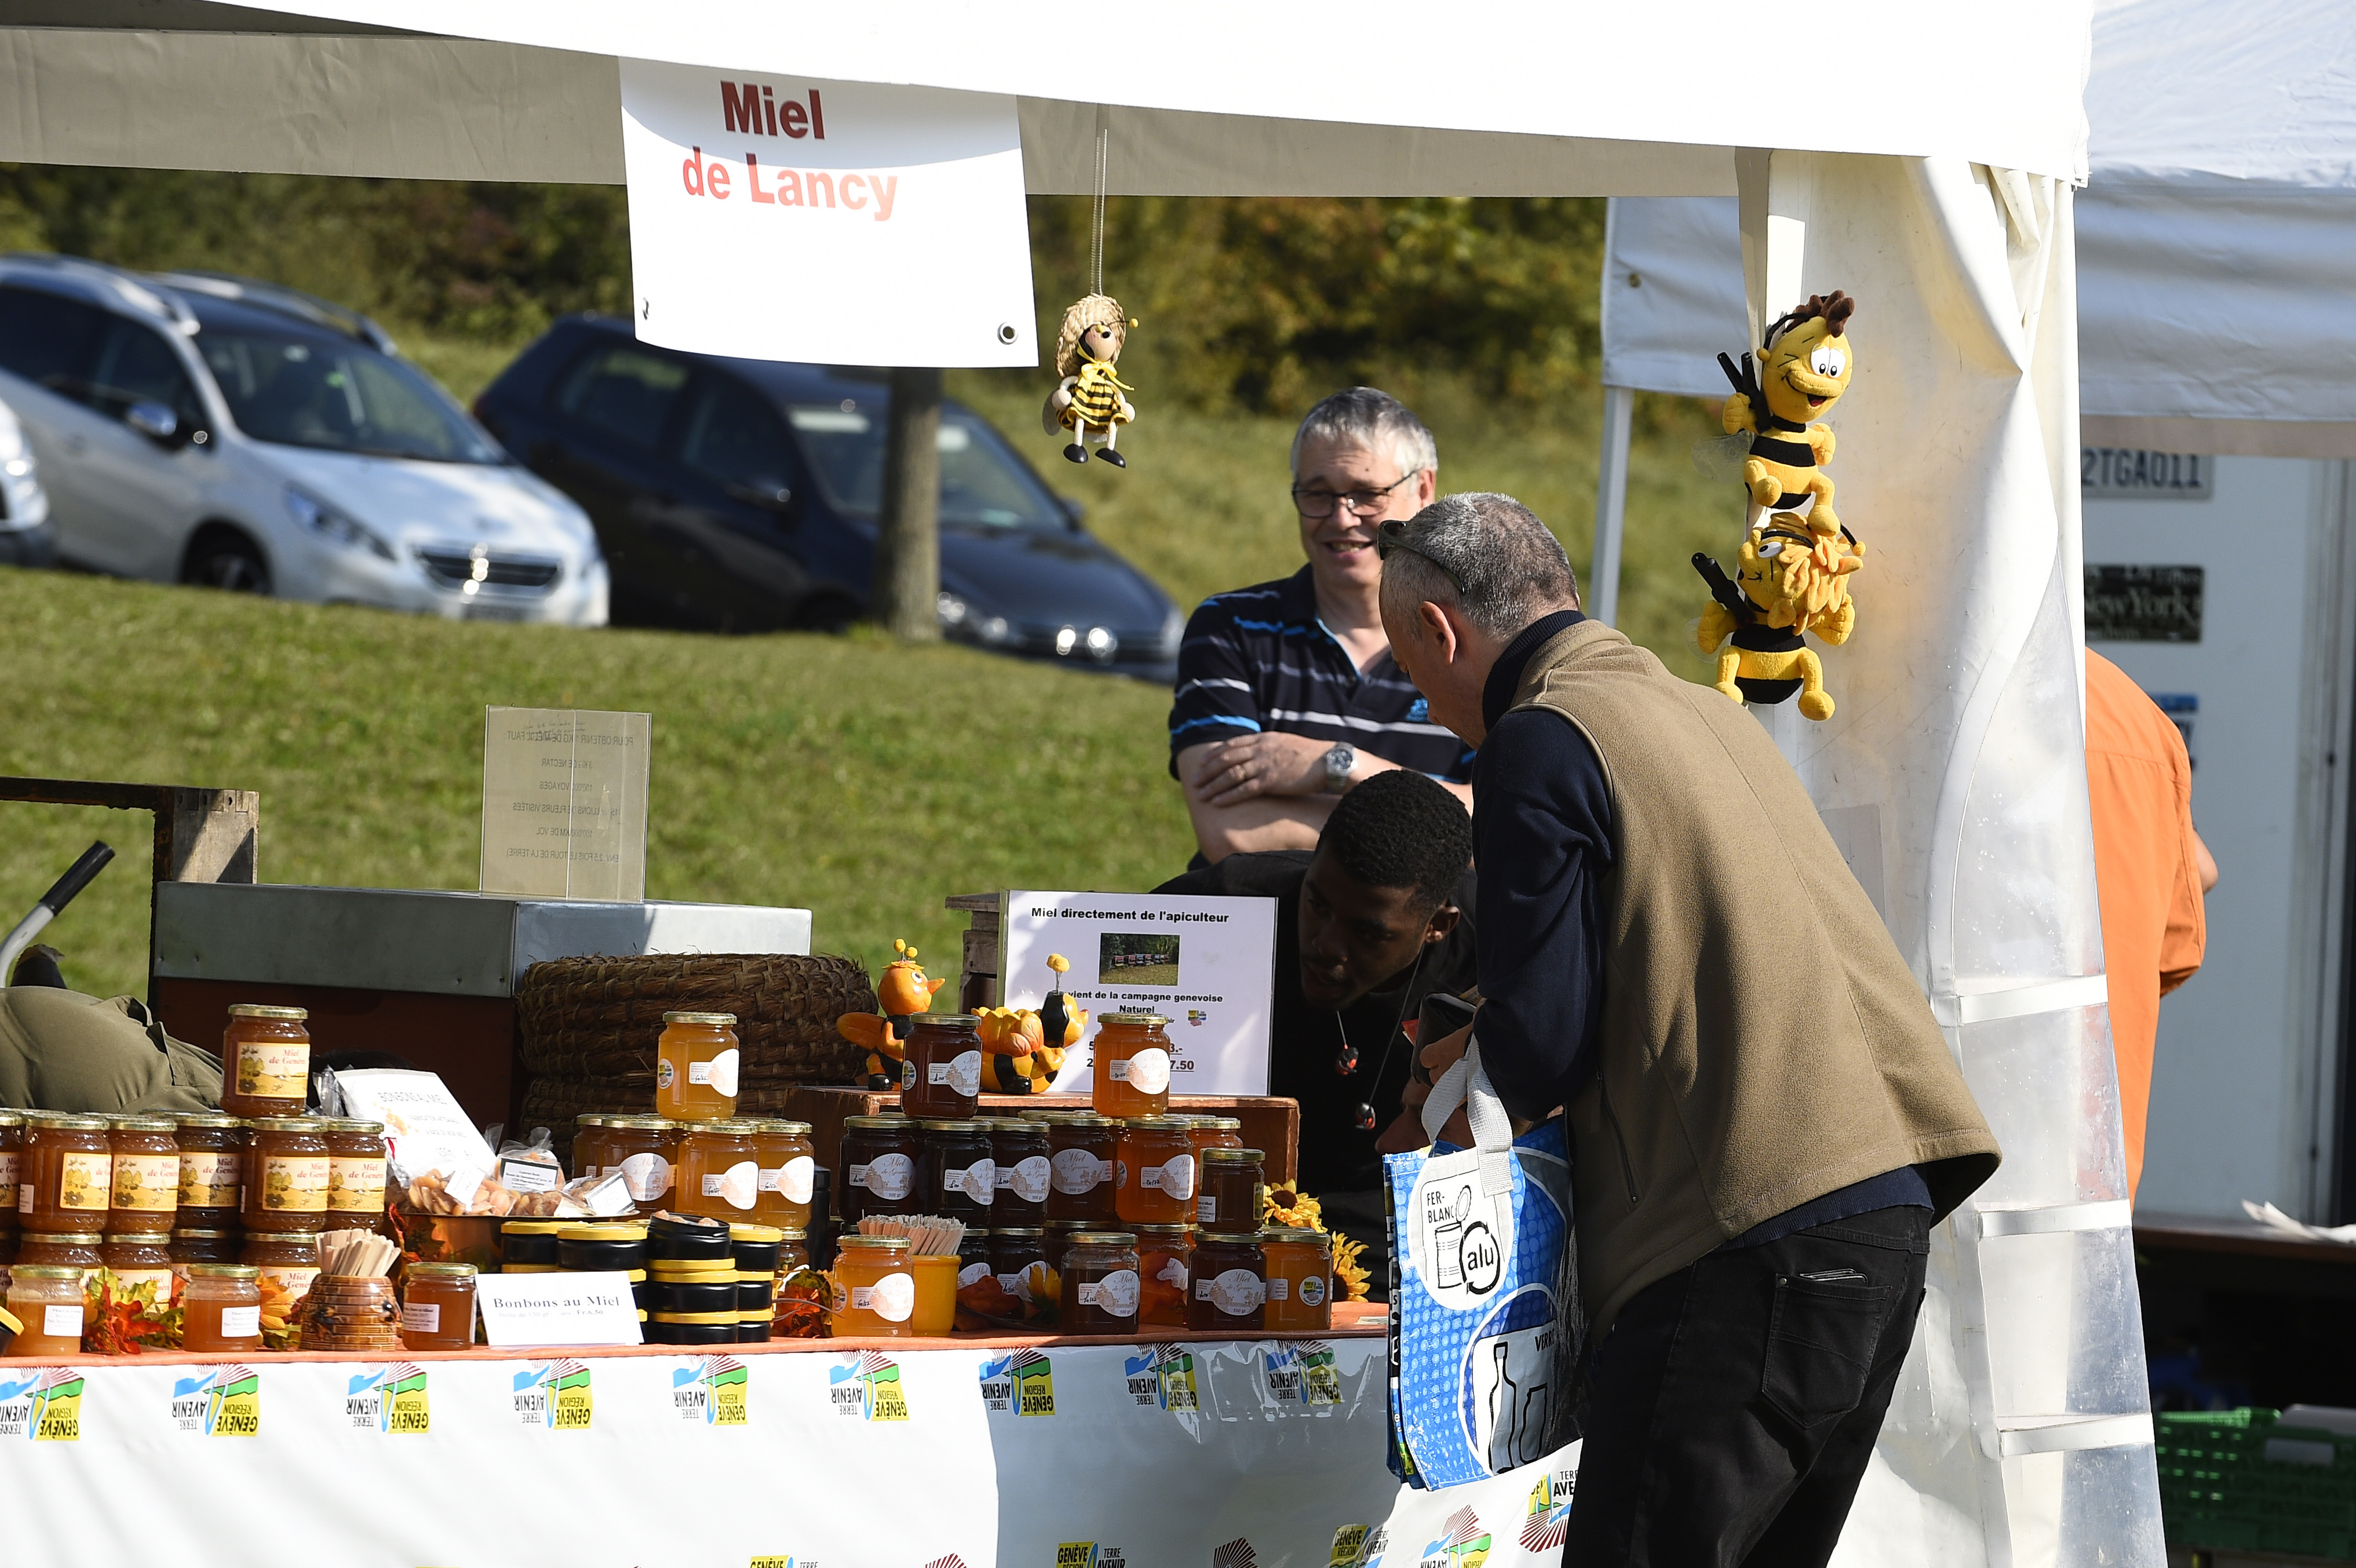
x=1287 y=695
x=1765 y=1120
x=1367 y=926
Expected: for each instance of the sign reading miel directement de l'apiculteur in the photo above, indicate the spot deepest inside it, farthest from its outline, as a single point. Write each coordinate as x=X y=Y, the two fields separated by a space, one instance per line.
x=843 y=222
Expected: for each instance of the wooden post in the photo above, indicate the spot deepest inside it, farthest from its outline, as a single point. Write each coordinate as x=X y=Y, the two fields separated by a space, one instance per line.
x=904 y=596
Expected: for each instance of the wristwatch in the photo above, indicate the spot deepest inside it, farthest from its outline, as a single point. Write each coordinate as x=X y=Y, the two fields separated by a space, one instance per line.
x=1339 y=763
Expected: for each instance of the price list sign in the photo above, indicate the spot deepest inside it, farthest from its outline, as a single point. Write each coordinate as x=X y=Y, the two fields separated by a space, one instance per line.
x=565 y=803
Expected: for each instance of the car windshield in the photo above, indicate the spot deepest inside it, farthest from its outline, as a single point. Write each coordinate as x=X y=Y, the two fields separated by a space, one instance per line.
x=340 y=397
x=983 y=484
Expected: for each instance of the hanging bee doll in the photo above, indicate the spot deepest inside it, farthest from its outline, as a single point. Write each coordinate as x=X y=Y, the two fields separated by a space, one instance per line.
x=1792 y=573
x=1088 y=403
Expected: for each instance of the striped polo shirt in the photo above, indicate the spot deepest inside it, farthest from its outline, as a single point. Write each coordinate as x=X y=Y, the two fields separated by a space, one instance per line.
x=1259 y=659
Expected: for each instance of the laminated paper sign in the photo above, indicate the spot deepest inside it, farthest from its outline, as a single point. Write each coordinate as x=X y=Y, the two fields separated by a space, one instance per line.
x=1208 y=966
x=565 y=803
x=783 y=218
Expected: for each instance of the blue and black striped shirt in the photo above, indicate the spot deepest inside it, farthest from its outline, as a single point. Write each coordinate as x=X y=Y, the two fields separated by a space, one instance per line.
x=1259 y=659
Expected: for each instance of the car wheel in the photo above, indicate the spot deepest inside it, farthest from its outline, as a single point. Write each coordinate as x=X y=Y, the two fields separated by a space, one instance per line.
x=226 y=559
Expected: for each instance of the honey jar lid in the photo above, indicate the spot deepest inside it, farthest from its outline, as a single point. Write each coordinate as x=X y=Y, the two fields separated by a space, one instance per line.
x=1101 y=1238
x=590 y=1119
x=1130 y=1018
x=724 y=1020
x=255 y=1010
x=532 y=1227
x=594 y=1230
x=440 y=1271
x=140 y=1238
x=1172 y=1231
x=1295 y=1233
x=65 y=1121
x=1153 y=1124
x=788 y=1233
x=287 y=1124
x=211 y=1120
x=725 y=1126
x=1015 y=1231
x=69 y=1239
x=950 y=1020
x=229 y=1271
x=1227 y=1123
x=145 y=1123
x=950 y=1124
x=45 y=1271
x=759 y=1235
x=642 y=1123
x=1232 y=1157
x=203 y=1235
x=1083 y=1119
x=884 y=1119
x=777 y=1127
x=1233 y=1238
x=352 y=1125
x=888 y=1244
x=12 y=1119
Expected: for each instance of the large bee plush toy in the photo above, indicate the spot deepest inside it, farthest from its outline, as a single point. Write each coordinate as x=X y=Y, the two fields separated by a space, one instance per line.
x=1804 y=365
x=1087 y=401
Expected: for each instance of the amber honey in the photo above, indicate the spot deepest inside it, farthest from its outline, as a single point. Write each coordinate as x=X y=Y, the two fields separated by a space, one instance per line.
x=356 y=1164
x=145 y=1174
x=437 y=1306
x=12 y=1145
x=1299 y=1280
x=212 y=1171
x=1131 y=1072
x=139 y=1258
x=47 y=1299
x=265 y=1061
x=221 y=1308
x=286 y=1173
x=695 y=1067
x=1164 y=1255
x=787 y=1163
x=719 y=1174
x=645 y=1149
x=1153 y=1172
x=875 y=1288
x=65 y=1176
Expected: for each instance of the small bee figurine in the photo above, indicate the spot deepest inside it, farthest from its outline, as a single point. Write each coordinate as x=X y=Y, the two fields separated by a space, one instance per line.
x=902 y=994
x=1087 y=401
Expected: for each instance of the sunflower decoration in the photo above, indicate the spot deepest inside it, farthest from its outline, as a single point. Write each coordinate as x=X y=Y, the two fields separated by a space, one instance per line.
x=1288 y=1209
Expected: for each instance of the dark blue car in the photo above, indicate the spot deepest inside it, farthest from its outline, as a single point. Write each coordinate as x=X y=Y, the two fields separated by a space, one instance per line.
x=740 y=495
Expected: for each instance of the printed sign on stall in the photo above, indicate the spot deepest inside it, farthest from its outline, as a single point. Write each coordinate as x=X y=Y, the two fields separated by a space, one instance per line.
x=852 y=223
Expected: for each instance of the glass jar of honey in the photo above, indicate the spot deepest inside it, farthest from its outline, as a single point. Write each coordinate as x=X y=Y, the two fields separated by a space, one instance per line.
x=141 y=1258
x=793 y=1251
x=589 y=1144
x=955 y=1178
x=879 y=1167
x=1213 y=1133
x=1013 y=1250
x=265 y=1061
x=695 y=1067
x=1080 y=1164
x=145 y=1177
x=287 y=1167
x=1017 y=1153
x=222 y=1308
x=1131 y=1072
x=289 y=1261
x=717 y=1172
x=1232 y=1182
x=437 y=1306
x=789 y=1166
x=1099 y=1283
x=204 y=1247
x=941 y=1076
x=1162 y=1255
x=1300 y=1265
x=875 y=1290
x=1229 y=1274
x=65 y=1174
x=645 y=1149
x=1153 y=1172
x=78 y=1249
x=47 y=1299
x=12 y=1144
x=356 y=1158
x=212 y=1171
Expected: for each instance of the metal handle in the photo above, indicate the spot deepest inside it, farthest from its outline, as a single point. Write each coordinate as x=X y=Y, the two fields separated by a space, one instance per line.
x=78 y=876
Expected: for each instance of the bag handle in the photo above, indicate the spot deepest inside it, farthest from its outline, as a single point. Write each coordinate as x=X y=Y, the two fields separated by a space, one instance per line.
x=1467 y=1084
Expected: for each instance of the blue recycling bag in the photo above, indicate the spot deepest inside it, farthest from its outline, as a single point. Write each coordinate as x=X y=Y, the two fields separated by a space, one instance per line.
x=1484 y=1311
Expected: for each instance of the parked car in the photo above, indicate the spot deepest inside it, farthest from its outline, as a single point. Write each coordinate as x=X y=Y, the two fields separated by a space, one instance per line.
x=25 y=537
x=198 y=428
x=741 y=495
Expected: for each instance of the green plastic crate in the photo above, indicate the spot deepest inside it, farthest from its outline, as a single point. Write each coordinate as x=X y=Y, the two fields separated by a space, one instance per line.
x=2220 y=1487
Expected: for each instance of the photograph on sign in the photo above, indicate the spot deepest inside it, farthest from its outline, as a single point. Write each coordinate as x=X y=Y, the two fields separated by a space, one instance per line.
x=1208 y=966
x=837 y=222
x=565 y=803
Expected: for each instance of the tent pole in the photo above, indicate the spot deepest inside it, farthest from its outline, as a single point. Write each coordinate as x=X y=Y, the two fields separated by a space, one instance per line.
x=1610 y=506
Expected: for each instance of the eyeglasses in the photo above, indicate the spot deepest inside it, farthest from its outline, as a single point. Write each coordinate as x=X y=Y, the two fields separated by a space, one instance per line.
x=1392 y=535
x=1318 y=504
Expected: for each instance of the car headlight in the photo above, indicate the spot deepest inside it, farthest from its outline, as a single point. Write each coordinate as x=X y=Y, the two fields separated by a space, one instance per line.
x=316 y=516
x=953 y=611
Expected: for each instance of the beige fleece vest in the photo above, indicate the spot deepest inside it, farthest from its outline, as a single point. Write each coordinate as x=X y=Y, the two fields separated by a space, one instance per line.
x=1763 y=1042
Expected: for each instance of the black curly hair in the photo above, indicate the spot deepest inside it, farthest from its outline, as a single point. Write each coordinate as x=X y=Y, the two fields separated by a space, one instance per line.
x=1400 y=829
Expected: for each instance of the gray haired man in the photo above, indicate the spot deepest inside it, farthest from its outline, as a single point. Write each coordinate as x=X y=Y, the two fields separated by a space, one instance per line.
x=1764 y=1119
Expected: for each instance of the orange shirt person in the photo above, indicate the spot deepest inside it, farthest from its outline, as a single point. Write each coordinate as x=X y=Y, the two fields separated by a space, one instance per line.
x=2150 y=871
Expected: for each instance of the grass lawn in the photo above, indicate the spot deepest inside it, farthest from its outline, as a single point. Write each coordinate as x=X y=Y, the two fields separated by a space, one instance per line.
x=861 y=780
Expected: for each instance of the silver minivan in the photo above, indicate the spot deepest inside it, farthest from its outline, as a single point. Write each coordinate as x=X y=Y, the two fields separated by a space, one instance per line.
x=197 y=428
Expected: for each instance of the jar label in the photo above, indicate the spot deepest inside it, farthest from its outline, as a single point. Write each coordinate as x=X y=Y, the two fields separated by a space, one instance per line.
x=971 y=1273
x=791 y=1181
x=719 y=1073
x=978 y=1181
x=1026 y=1178
x=1277 y=1288
x=1115 y=1294
x=965 y=1073
x=421 y=1317
x=61 y=1322
x=160 y=1278
x=294 y=1182
x=647 y=1177
x=1175 y=1177
x=907 y=1074
x=1172 y=1272
x=529 y=1174
x=1239 y=1293
x=240 y=1323
x=1313 y=1291
x=1149 y=1070
x=149 y=1183
x=291 y=1280
x=357 y=1183
x=1206 y=1207
x=739 y=1185
x=87 y=1182
x=891 y=1298
x=8 y=1177
x=1078 y=1171
x=270 y=1071
x=890 y=1176
x=208 y=1179
x=664 y=1074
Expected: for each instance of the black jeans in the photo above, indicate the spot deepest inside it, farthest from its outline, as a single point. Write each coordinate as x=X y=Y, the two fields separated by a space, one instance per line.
x=1734 y=1404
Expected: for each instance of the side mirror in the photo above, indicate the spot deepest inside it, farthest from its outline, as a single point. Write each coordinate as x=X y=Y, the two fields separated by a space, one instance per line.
x=153 y=421
x=768 y=494
x=1073 y=510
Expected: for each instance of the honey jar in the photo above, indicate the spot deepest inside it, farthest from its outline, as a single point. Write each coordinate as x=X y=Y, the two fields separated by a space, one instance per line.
x=1099 y=1283
x=1017 y=1153
x=1057 y=1236
x=1162 y=1255
x=875 y=1288
x=437 y=1306
x=941 y=1077
x=1131 y=1072
x=1300 y=1265
x=356 y=1160
x=212 y=1171
x=1213 y=1133
x=879 y=1167
x=289 y=1261
x=955 y=1178
x=717 y=1172
x=1232 y=1182
x=286 y=1168
x=695 y=1067
x=265 y=1061
x=12 y=1144
x=78 y=1249
x=1013 y=1250
x=645 y=1149
x=788 y=1167
x=47 y=1299
x=221 y=1308
x=1229 y=1274
x=65 y=1174
x=793 y=1252
x=204 y=1247
x=589 y=1144
x=139 y=1258
x=1153 y=1173
x=1080 y=1160
x=144 y=1175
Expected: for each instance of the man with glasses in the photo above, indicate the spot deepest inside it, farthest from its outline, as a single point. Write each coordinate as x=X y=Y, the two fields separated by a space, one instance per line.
x=1287 y=694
